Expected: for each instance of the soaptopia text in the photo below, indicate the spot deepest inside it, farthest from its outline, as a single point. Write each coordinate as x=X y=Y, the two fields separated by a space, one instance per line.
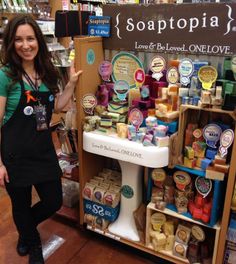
x=189 y=28
x=193 y=48
x=159 y=25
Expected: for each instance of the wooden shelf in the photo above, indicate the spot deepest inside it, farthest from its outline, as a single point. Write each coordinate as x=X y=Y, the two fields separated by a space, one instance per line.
x=180 y=216
x=213 y=110
x=167 y=255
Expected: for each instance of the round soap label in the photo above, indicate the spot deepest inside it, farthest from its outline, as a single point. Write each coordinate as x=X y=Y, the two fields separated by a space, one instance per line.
x=226 y=140
x=139 y=77
x=172 y=75
x=105 y=70
x=121 y=89
x=90 y=56
x=158 y=175
x=158 y=218
x=211 y=134
x=157 y=64
x=203 y=186
x=89 y=101
x=186 y=67
x=182 y=179
x=198 y=233
x=136 y=118
x=197 y=133
x=207 y=76
x=124 y=66
x=185 y=70
x=127 y=191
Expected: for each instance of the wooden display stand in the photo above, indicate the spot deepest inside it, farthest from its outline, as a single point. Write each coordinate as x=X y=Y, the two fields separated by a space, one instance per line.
x=89 y=164
x=195 y=114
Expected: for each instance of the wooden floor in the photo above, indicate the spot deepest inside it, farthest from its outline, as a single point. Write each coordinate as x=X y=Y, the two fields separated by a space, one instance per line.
x=79 y=247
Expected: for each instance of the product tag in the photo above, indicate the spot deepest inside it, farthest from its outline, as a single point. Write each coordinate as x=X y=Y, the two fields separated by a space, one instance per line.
x=185 y=70
x=157 y=66
x=105 y=70
x=136 y=118
x=226 y=140
x=172 y=75
x=207 y=76
x=89 y=101
x=211 y=134
x=139 y=76
x=182 y=179
x=121 y=89
x=198 y=233
x=41 y=117
x=203 y=186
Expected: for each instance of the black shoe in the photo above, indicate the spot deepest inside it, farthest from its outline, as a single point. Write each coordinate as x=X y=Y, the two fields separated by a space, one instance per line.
x=22 y=247
x=36 y=255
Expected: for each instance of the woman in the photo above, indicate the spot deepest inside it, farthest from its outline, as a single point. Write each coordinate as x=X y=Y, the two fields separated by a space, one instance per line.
x=28 y=87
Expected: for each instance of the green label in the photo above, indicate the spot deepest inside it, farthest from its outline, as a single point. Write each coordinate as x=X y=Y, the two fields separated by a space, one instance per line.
x=90 y=56
x=127 y=191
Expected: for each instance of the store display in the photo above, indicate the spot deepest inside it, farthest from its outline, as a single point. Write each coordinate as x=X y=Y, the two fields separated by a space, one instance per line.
x=176 y=94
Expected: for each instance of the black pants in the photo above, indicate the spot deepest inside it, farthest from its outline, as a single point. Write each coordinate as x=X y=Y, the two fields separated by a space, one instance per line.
x=26 y=216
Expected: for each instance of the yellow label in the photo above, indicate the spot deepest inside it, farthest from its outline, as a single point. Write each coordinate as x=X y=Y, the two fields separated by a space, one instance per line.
x=207 y=76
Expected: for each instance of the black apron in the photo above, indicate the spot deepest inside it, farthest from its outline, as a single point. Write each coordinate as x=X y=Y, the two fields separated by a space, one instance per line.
x=29 y=155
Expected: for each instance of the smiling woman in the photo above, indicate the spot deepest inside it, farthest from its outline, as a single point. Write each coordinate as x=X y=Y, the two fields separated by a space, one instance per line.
x=28 y=89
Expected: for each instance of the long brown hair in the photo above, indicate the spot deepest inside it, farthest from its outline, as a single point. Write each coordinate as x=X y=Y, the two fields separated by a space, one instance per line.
x=42 y=62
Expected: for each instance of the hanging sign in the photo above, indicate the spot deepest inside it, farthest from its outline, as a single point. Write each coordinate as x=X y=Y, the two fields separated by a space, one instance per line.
x=192 y=28
x=124 y=67
x=99 y=26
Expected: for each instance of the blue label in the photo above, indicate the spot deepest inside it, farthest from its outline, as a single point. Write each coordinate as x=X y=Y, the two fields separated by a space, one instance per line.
x=99 y=26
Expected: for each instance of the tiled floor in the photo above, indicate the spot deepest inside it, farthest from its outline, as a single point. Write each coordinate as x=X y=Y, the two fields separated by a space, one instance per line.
x=79 y=247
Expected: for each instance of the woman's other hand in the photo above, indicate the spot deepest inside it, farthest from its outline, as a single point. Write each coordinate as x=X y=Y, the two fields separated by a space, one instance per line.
x=73 y=75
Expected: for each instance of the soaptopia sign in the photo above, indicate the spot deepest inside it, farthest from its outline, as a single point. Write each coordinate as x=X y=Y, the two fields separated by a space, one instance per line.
x=207 y=28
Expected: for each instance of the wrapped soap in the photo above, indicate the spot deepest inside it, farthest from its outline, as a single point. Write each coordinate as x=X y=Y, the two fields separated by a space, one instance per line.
x=89 y=219
x=101 y=223
x=168 y=228
x=169 y=242
x=122 y=130
x=111 y=198
x=182 y=234
x=160 y=239
x=147 y=140
x=98 y=194
x=131 y=132
x=162 y=141
x=180 y=250
x=160 y=131
x=88 y=191
x=151 y=122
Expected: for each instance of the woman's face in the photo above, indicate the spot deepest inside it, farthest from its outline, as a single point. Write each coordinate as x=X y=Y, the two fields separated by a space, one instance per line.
x=26 y=43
